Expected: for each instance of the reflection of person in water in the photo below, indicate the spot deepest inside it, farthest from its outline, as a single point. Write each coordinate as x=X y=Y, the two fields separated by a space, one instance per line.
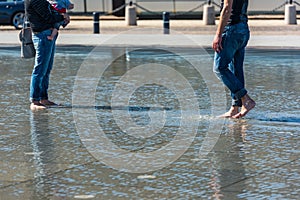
x=227 y=163
x=229 y=44
x=42 y=146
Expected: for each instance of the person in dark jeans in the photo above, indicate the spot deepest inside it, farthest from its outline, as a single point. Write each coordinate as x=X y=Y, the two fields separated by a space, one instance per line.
x=42 y=20
x=229 y=43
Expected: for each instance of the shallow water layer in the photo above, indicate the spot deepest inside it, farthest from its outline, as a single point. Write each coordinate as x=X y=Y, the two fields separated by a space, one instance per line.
x=127 y=131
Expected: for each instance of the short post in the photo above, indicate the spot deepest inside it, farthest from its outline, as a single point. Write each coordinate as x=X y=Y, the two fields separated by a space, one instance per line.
x=166 y=22
x=130 y=14
x=290 y=13
x=84 y=6
x=96 y=22
x=209 y=14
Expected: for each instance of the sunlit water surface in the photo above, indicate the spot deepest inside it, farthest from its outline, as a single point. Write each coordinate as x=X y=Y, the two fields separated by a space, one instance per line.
x=43 y=156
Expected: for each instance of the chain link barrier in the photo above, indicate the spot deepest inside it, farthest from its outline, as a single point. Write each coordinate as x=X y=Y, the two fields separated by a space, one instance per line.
x=286 y=2
x=178 y=13
x=158 y=13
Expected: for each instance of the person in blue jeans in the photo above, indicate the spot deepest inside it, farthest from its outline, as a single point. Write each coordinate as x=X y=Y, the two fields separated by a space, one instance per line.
x=42 y=20
x=229 y=43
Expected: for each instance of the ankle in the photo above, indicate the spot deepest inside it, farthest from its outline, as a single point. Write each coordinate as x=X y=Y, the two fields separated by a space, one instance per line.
x=234 y=109
x=35 y=103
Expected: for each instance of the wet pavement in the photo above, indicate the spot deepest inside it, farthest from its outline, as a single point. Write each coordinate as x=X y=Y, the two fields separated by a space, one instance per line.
x=138 y=117
x=48 y=154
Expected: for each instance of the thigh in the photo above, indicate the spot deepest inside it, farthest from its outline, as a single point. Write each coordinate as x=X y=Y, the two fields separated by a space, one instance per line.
x=230 y=46
x=44 y=48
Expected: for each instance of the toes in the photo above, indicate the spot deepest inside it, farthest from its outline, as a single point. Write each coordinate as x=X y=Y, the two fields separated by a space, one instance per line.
x=237 y=116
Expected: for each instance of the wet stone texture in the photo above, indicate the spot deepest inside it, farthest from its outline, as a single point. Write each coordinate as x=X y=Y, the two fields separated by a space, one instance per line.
x=43 y=156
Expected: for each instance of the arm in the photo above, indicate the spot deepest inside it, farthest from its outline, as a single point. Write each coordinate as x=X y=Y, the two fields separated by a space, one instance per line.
x=42 y=8
x=68 y=5
x=224 y=17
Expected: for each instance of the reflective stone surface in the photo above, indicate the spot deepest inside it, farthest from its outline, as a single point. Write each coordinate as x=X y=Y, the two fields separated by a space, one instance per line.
x=43 y=156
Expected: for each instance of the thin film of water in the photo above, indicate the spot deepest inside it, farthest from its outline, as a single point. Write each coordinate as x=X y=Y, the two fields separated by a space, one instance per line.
x=42 y=156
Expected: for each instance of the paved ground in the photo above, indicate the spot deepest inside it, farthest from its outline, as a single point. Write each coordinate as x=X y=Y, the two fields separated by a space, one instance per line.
x=262 y=25
x=256 y=158
x=265 y=32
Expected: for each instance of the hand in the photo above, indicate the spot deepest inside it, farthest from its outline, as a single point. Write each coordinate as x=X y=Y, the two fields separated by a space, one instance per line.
x=66 y=18
x=71 y=6
x=217 y=43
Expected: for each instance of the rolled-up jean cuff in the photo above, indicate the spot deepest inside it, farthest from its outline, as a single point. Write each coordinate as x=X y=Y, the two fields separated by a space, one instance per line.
x=32 y=100
x=236 y=103
x=240 y=93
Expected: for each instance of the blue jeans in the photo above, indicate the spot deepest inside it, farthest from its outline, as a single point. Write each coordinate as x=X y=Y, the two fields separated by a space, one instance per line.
x=45 y=50
x=228 y=63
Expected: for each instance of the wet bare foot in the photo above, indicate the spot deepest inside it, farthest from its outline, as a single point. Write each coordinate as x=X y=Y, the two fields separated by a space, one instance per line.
x=37 y=106
x=248 y=104
x=46 y=102
x=232 y=111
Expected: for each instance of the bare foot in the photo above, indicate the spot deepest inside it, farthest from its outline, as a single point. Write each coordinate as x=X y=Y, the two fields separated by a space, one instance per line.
x=46 y=102
x=232 y=111
x=37 y=106
x=248 y=104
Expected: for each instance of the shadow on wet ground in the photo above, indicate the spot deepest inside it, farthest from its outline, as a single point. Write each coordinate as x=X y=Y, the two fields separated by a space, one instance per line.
x=48 y=154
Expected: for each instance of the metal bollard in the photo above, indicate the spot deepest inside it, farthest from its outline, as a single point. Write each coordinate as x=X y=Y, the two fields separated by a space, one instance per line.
x=290 y=14
x=209 y=14
x=96 y=22
x=166 y=22
x=130 y=15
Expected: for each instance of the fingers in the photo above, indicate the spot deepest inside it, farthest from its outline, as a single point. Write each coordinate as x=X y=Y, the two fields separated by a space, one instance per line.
x=217 y=47
x=66 y=18
x=217 y=43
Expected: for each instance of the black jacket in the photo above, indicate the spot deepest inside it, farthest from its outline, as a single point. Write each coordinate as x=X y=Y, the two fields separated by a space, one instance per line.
x=40 y=15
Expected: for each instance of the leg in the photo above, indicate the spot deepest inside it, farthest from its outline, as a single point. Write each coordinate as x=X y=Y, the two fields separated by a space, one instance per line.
x=237 y=69
x=45 y=83
x=43 y=49
x=221 y=69
x=248 y=104
x=234 y=102
x=245 y=102
x=224 y=69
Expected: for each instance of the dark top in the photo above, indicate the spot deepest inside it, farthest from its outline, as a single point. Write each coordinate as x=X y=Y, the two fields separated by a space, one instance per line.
x=239 y=11
x=40 y=15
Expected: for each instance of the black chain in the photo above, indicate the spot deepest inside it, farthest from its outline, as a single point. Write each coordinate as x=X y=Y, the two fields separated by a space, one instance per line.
x=286 y=2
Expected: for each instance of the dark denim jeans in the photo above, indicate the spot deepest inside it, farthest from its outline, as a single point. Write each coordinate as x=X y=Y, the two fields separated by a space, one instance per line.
x=45 y=50
x=228 y=63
